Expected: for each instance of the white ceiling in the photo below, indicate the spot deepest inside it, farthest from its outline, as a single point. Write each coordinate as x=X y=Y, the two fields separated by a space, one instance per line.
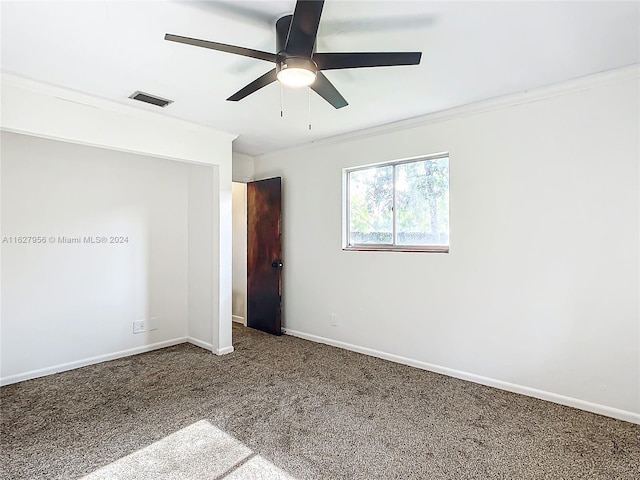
x=471 y=51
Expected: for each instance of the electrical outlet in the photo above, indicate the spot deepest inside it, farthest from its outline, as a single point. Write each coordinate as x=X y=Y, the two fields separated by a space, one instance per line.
x=153 y=323
x=139 y=326
x=333 y=319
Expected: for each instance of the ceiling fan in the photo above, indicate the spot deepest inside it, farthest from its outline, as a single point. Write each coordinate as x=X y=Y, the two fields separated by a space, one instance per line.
x=297 y=62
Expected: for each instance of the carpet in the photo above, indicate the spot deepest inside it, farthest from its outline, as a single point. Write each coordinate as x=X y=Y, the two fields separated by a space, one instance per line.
x=286 y=408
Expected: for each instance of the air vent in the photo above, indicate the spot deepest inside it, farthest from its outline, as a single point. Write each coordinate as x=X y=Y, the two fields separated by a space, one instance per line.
x=152 y=99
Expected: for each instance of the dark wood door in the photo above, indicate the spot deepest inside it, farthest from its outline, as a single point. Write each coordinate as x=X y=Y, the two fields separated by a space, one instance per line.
x=264 y=256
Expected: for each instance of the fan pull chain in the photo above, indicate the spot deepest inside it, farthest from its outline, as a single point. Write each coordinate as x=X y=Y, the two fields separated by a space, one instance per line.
x=309 y=88
x=281 y=101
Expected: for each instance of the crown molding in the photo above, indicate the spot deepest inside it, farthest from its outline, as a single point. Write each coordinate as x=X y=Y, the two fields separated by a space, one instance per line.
x=506 y=101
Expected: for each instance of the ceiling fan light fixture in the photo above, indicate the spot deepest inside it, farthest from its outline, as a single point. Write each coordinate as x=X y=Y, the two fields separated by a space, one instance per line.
x=296 y=72
x=296 y=77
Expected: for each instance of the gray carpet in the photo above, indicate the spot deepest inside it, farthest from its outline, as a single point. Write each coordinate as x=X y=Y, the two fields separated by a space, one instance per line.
x=282 y=407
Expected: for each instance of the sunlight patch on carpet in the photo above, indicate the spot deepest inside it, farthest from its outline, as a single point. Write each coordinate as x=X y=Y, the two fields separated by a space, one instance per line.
x=197 y=452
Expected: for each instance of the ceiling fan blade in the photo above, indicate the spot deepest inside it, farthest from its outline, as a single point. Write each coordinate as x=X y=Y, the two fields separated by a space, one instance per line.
x=223 y=47
x=336 y=61
x=323 y=87
x=254 y=86
x=304 y=27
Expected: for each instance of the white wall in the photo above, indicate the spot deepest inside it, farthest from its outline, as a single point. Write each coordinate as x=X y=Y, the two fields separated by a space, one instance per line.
x=222 y=246
x=44 y=111
x=67 y=302
x=243 y=167
x=201 y=256
x=540 y=293
x=239 y=252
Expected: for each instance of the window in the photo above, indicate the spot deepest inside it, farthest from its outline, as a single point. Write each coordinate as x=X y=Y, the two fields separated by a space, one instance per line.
x=401 y=205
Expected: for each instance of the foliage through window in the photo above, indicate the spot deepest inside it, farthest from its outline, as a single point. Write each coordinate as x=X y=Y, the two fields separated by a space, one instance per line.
x=401 y=205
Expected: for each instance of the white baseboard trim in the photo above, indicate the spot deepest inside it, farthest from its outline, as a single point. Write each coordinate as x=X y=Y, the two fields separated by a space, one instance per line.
x=491 y=382
x=238 y=319
x=200 y=343
x=209 y=346
x=42 y=372
x=224 y=351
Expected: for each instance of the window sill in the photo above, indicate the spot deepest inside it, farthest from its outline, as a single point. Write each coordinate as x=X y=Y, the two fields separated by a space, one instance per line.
x=398 y=248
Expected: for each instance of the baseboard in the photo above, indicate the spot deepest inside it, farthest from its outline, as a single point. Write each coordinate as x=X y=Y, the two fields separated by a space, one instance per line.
x=209 y=346
x=491 y=382
x=224 y=351
x=200 y=343
x=239 y=319
x=42 y=372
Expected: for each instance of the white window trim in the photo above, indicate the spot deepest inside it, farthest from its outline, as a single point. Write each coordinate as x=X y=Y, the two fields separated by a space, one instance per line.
x=385 y=247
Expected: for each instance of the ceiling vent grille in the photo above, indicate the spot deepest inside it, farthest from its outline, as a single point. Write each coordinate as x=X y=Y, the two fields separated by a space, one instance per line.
x=152 y=99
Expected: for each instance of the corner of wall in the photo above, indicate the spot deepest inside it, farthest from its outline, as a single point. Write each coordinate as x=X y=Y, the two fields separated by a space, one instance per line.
x=243 y=167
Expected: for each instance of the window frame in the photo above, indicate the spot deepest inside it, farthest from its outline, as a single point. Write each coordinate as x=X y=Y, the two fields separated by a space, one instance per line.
x=393 y=247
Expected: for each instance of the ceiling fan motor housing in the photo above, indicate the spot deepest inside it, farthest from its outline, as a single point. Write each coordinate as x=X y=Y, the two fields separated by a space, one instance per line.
x=282 y=32
x=305 y=68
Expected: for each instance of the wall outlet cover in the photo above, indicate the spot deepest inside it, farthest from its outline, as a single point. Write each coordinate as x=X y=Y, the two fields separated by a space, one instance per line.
x=139 y=326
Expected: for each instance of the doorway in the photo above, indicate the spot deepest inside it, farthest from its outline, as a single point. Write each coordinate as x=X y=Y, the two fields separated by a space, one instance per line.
x=257 y=254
